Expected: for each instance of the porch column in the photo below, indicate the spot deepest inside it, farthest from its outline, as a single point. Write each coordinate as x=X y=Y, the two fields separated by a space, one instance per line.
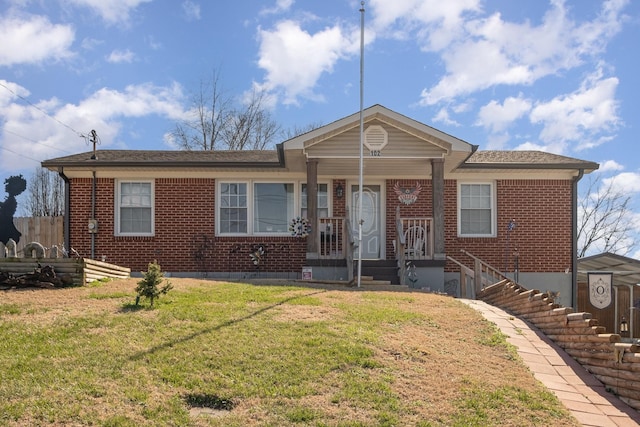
x=437 y=199
x=312 y=206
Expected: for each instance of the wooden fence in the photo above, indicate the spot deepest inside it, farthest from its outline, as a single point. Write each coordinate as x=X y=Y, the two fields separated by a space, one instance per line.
x=46 y=230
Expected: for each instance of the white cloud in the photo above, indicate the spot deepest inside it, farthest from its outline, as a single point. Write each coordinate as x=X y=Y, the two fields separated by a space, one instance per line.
x=119 y=56
x=294 y=59
x=10 y=91
x=492 y=52
x=32 y=40
x=191 y=10
x=434 y=23
x=497 y=117
x=442 y=116
x=532 y=146
x=627 y=183
x=280 y=7
x=105 y=110
x=497 y=141
x=579 y=116
x=610 y=165
x=111 y=11
x=89 y=43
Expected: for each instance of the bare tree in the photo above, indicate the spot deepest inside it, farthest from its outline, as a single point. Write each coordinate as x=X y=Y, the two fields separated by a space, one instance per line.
x=605 y=221
x=209 y=114
x=299 y=130
x=45 y=194
x=217 y=122
x=250 y=127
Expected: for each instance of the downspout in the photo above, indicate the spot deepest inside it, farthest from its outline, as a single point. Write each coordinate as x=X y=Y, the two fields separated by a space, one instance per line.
x=67 y=210
x=93 y=215
x=574 y=239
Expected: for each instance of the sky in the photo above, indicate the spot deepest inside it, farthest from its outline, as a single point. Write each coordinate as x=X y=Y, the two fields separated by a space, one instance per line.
x=552 y=75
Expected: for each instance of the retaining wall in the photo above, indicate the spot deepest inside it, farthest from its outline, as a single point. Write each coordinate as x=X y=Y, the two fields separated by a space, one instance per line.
x=614 y=362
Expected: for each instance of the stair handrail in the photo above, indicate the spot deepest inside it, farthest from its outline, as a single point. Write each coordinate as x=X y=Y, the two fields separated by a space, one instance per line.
x=464 y=273
x=484 y=274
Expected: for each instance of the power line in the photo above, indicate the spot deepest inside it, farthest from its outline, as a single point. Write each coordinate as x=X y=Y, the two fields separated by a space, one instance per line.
x=36 y=142
x=43 y=111
x=19 y=154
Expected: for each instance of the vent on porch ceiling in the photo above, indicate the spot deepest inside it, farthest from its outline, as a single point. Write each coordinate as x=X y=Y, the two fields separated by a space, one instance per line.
x=375 y=138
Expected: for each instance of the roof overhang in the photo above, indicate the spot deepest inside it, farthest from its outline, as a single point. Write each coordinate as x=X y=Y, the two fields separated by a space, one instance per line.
x=626 y=271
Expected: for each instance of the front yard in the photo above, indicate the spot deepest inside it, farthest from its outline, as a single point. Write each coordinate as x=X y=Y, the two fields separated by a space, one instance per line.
x=234 y=354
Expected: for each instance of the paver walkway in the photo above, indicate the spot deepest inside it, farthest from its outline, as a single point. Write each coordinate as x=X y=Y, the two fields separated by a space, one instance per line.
x=580 y=392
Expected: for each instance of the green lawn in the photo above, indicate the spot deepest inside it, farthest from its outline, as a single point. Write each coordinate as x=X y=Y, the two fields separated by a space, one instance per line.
x=258 y=355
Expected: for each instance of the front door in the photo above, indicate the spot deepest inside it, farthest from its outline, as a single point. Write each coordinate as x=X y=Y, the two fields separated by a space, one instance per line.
x=371 y=222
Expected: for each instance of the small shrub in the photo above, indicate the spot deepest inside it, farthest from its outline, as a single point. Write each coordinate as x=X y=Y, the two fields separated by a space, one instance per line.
x=149 y=287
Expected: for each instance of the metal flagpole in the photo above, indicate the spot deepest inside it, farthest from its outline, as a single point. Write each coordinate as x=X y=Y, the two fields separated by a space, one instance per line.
x=360 y=221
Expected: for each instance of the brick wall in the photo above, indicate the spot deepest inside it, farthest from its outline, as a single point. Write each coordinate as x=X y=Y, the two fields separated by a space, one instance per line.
x=422 y=208
x=184 y=237
x=541 y=208
x=185 y=228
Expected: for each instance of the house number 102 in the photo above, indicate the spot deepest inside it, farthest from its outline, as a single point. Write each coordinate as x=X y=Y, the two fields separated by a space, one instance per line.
x=375 y=153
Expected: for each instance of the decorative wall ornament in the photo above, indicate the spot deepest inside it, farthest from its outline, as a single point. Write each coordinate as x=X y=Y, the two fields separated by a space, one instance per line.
x=407 y=196
x=299 y=227
x=256 y=256
x=600 y=289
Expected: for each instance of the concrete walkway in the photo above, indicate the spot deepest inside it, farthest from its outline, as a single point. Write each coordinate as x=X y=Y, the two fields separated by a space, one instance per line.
x=580 y=392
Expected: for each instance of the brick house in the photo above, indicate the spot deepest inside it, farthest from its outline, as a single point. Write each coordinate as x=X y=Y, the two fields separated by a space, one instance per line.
x=426 y=196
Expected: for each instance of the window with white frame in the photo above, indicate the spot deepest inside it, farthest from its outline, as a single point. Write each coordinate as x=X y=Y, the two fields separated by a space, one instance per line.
x=323 y=201
x=134 y=211
x=476 y=209
x=233 y=207
x=255 y=207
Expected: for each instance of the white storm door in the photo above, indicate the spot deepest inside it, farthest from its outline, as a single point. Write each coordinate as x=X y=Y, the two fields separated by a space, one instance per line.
x=371 y=223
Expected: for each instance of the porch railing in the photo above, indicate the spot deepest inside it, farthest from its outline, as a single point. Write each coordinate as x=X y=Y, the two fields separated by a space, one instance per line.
x=331 y=238
x=413 y=241
x=336 y=240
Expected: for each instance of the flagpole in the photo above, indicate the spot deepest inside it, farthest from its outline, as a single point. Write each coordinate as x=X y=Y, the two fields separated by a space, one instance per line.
x=360 y=180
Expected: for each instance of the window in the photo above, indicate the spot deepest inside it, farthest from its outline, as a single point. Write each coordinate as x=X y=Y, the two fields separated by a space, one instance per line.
x=476 y=211
x=272 y=207
x=323 y=201
x=233 y=207
x=134 y=208
x=255 y=207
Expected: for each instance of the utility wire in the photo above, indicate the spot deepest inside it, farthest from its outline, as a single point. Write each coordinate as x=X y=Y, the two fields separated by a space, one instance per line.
x=36 y=142
x=19 y=154
x=43 y=111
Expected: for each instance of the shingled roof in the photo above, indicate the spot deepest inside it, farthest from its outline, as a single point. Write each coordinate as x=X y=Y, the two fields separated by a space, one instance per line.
x=496 y=159
x=170 y=158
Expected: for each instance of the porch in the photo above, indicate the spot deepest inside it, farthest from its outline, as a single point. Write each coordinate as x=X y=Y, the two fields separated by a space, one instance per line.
x=336 y=245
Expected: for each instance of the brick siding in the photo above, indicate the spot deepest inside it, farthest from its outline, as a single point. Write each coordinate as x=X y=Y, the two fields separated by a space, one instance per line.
x=184 y=237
